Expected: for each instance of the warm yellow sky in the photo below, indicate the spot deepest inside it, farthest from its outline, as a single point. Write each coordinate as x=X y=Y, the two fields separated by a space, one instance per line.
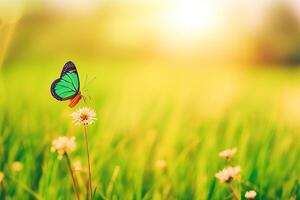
x=188 y=28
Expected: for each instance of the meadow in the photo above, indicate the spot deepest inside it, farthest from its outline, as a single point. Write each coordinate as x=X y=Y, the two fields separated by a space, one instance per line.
x=183 y=116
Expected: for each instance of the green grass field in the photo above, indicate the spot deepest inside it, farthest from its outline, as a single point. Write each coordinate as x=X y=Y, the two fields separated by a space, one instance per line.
x=146 y=113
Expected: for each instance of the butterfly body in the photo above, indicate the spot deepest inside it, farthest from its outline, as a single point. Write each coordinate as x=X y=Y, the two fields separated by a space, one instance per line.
x=75 y=100
x=67 y=86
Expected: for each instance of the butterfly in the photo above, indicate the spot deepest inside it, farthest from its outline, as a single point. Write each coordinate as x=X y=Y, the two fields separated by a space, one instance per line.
x=67 y=86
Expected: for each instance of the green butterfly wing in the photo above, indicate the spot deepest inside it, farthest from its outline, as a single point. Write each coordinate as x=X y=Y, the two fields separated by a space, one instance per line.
x=68 y=85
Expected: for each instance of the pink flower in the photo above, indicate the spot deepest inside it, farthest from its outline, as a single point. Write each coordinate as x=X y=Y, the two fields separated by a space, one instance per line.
x=228 y=153
x=250 y=194
x=227 y=174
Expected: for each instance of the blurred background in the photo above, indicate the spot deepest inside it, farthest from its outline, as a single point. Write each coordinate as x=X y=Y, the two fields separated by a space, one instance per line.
x=176 y=80
x=187 y=33
x=230 y=48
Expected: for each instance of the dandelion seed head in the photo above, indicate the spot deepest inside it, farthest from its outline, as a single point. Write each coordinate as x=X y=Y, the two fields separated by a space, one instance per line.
x=63 y=145
x=250 y=194
x=228 y=153
x=84 y=116
x=17 y=166
x=228 y=173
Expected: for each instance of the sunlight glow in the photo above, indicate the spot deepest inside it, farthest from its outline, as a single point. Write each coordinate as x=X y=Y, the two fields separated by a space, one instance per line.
x=187 y=25
x=192 y=17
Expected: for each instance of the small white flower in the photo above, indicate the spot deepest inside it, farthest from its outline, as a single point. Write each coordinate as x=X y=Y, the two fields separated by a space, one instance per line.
x=228 y=153
x=1 y=176
x=160 y=164
x=17 y=166
x=84 y=116
x=63 y=145
x=228 y=173
x=250 y=194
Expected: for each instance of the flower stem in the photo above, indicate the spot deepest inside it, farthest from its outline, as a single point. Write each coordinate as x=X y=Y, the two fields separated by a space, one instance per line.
x=112 y=180
x=72 y=176
x=89 y=164
x=234 y=192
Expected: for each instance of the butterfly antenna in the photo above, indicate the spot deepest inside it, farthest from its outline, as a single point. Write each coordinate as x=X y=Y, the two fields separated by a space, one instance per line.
x=85 y=82
x=84 y=90
x=91 y=80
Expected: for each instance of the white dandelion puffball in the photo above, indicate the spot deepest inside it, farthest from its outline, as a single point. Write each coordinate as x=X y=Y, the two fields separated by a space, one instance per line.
x=63 y=145
x=84 y=116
